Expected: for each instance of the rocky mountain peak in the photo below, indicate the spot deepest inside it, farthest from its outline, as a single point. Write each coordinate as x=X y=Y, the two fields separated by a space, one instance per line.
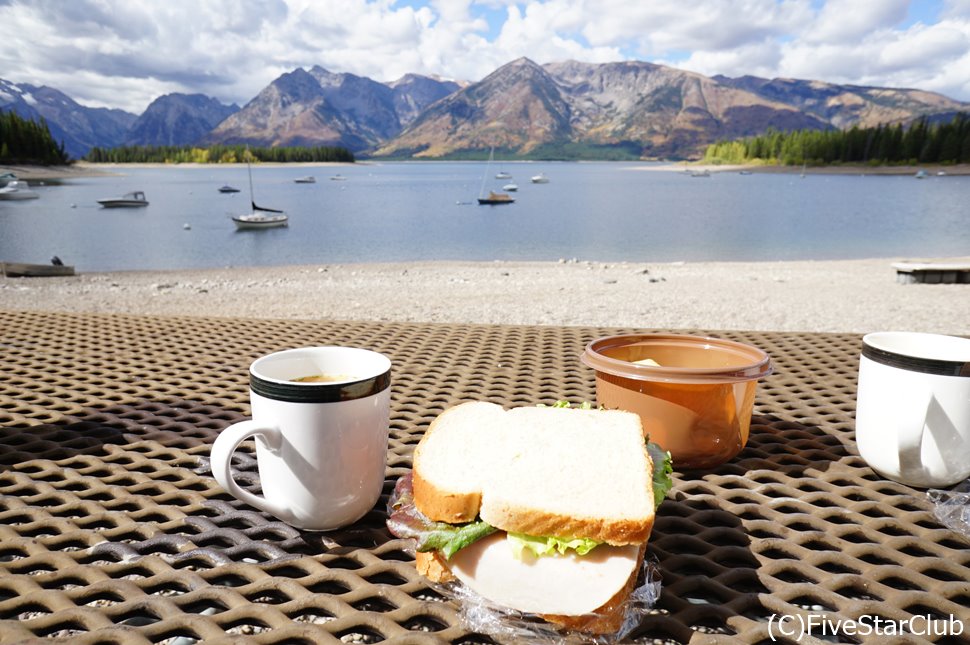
x=516 y=107
x=298 y=85
x=178 y=119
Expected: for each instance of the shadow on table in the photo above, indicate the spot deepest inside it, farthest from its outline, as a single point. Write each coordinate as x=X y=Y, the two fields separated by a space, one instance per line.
x=150 y=459
x=711 y=533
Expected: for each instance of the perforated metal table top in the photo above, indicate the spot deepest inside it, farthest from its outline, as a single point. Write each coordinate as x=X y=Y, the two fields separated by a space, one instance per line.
x=112 y=529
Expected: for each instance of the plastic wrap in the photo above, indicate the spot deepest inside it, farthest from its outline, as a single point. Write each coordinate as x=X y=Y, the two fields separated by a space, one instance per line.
x=952 y=507
x=480 y=615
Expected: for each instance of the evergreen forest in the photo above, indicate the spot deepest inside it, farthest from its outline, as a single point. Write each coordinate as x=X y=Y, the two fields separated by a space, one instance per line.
x=23 y=141
x=216 y=154
x=921 y=142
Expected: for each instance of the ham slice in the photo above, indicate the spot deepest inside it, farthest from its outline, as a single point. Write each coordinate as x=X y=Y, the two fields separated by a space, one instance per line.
x=560 y=584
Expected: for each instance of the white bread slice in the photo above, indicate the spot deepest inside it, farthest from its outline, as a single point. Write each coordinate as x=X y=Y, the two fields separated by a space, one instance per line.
x=540 y=471
x=454 y=458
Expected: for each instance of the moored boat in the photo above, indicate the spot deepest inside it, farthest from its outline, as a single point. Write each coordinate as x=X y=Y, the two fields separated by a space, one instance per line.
x=228 y=189
x=134 y=199
x=257 y=220
x=306 y=180
x=493 y=197
x=16 y=190
x=26 y=270
x=540 y=179
x=496 y=198
x=260 y=217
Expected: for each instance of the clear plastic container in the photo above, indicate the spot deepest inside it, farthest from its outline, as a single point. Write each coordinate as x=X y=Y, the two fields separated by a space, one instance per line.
x=696 y=401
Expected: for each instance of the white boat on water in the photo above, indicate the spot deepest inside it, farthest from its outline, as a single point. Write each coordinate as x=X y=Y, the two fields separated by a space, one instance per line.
x=306 y=180
x=503 y=175
x=17 y=189
x=133 y=199
x=260 y=217
x=510 y=187
x=540 y=179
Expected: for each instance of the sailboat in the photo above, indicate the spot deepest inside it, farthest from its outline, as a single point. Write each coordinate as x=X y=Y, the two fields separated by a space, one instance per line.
x=260 y=217
x=492 y=198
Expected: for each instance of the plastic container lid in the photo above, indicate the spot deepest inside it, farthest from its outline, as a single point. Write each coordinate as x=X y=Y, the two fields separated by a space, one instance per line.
x=736 y=362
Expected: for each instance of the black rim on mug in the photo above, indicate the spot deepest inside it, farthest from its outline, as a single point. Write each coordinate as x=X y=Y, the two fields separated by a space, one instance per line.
x=281 y=389
x=924 y=365
x=320 y=392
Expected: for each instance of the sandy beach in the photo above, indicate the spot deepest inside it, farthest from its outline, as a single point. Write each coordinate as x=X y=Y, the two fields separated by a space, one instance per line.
x=831 y=296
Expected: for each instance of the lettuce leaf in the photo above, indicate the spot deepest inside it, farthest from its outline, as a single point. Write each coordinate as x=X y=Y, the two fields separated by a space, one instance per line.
x=585 y=405
x=406 y=521
x=663 y=468
x=452 y=538
x=548 y=545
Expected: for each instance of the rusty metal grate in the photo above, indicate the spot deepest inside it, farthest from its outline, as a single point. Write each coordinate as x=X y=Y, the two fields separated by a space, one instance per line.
x=112 y=530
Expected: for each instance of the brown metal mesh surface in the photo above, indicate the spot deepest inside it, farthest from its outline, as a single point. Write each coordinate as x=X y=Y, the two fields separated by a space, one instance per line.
x=112 y=529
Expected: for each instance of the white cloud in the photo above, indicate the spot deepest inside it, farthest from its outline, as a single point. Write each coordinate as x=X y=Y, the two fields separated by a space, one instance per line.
x=547 y=32
x=912 y=49
x=845 y=21
x=125 y=53
x=754 y=59
x=660 y=27
x=931 y=57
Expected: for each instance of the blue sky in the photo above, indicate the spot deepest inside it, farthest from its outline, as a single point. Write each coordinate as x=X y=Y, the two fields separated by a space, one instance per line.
x=126 y=53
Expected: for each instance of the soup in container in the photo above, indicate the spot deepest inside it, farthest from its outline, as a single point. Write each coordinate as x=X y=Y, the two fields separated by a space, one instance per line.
x=694 y=394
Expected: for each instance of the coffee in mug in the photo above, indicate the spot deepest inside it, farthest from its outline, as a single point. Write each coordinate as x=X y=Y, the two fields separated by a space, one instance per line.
x=913 y=407
x=320 y=420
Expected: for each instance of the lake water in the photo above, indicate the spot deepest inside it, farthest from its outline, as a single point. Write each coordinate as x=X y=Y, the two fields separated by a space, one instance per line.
x=428 y=211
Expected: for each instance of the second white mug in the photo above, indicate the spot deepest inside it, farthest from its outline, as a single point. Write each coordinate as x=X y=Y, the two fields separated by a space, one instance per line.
x=913 y=407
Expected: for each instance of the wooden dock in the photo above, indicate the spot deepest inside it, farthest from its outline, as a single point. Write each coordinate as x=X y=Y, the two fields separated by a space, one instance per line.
x=942 y=271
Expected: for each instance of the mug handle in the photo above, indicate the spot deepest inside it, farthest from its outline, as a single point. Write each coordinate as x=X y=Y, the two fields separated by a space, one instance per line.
x=221 y=455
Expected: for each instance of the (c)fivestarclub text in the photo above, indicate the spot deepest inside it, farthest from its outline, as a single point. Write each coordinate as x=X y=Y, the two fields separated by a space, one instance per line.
x=796 y=626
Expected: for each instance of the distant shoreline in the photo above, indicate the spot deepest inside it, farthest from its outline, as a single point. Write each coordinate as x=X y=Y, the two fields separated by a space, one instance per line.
x=841 y=169
x=86 y=169
x=82 y=169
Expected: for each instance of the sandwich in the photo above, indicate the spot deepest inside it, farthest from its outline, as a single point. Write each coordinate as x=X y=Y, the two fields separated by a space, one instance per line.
x=543 y=510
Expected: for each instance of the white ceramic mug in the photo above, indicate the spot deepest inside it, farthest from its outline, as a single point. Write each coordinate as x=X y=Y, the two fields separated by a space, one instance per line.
x=913 y=407
x=321 y=447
